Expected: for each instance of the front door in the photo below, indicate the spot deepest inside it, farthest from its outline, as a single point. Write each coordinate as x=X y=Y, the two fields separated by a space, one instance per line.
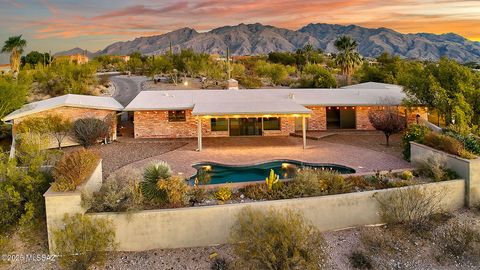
x=245 y=127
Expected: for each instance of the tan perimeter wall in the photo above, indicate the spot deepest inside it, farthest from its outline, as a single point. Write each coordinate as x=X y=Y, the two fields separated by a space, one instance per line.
x=57 y=204
x=468 y=169
x=73 y=113
x=210 y=225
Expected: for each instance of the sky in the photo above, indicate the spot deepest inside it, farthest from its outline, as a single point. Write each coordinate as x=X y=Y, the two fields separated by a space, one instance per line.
x=54 y=25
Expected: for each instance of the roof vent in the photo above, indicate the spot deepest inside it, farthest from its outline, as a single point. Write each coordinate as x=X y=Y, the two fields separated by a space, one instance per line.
x=291 y=96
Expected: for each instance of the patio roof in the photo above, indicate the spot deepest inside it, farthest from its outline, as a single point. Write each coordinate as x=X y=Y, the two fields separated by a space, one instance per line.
x=265 y=107
x=69 y=100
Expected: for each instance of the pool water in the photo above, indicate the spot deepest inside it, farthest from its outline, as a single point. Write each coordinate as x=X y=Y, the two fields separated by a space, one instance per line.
x=221 y=173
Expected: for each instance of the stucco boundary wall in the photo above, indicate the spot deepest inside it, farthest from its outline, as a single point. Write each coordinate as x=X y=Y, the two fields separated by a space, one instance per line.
x=211 y=225
x=57 y=204
x=468 y=169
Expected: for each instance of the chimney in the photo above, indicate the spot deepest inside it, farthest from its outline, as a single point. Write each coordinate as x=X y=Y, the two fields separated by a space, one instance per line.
x=232 y=84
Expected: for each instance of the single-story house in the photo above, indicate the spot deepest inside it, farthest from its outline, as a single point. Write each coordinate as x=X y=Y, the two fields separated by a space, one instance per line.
x=72 y=107
x=261 y=112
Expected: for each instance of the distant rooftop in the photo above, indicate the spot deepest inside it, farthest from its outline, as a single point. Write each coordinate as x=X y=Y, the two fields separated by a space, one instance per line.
x=69 y=100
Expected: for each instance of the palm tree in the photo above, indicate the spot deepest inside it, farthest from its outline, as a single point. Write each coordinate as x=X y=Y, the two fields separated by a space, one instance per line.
x=14 y=46
x=348 y=58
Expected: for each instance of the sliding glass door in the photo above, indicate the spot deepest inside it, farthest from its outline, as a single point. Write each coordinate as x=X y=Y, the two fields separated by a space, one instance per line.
x=245 y=127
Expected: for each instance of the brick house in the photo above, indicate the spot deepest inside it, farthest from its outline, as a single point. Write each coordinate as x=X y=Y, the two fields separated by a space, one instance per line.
x=69 y=106
x=262 y=112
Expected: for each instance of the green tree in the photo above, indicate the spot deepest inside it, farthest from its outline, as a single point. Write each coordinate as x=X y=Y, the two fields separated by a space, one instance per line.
x=347 y=58
x=14 y=45
x=315 y=76
x=276 y=73
x=13 y=94
x=35 y=58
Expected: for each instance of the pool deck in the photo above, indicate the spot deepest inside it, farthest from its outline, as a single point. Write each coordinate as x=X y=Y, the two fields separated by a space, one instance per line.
x=251 y=150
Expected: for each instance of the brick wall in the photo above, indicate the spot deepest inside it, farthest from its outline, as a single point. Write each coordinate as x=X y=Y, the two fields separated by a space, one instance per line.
x=155 y=124
x=73 y=113
x=318 y=118
x=361 y=119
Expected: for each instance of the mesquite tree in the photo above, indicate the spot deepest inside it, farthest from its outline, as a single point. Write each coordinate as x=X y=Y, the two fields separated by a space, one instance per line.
x=387 y=120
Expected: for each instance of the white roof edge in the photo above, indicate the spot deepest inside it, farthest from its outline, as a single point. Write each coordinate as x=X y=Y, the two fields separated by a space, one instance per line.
x=62 y=101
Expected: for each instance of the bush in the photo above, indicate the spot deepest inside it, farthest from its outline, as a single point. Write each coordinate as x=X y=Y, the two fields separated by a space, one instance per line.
x=460 y=241
x=308 y=182
x=413 y=133
x=407 y=175
x=219 y=264
x=197 y=195
x=88 y=131
x=119 y=193
x=223 y=194
x=360 y=260
x=276 y=240
x=73 y=169
x=359 y=182
x=412 y=207
x=435 y=167
x=446 y=144
x=470 y=142
x=335 y=182
x=175 y=189
x=152 y=173
x=250 y=82
x=83 y=241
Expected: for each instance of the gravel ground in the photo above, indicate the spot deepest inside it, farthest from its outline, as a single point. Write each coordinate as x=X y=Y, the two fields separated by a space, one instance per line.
x=125 y=151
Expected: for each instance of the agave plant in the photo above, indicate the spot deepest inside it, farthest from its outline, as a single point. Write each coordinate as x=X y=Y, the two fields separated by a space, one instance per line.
x=151 y=175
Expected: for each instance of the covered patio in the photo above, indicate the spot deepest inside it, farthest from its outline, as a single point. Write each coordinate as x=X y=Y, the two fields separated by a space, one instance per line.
x=248 y=118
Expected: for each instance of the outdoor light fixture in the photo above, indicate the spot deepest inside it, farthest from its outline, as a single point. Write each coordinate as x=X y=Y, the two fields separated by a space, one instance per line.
x=207 y=168
x=185 y=83
x=285 y=165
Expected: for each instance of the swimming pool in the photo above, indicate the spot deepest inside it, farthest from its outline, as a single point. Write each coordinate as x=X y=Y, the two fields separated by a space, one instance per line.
x=222 y=173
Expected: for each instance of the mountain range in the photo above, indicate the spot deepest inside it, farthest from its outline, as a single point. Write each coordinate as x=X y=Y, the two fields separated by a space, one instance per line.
x=253 y=39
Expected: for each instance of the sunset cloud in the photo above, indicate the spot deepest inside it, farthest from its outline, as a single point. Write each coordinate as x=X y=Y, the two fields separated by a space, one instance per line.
x=93 y=24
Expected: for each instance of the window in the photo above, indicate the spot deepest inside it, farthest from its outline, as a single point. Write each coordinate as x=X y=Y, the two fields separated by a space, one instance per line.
x=176 y=116
x=219 y=124
x=272 y=123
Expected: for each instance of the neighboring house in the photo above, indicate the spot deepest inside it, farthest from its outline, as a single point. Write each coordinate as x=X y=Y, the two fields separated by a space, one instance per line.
x=74 y=58
x=5 y=69
x=261 y=112
x=72 y=107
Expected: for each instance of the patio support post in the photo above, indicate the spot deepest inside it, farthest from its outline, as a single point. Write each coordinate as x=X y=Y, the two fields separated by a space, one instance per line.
x=304 y=132
x=199 y=135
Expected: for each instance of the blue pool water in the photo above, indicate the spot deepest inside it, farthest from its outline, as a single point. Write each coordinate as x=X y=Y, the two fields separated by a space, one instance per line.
x=221 y=173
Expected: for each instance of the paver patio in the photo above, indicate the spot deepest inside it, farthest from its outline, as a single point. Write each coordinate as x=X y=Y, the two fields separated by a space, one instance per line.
x=248 y=150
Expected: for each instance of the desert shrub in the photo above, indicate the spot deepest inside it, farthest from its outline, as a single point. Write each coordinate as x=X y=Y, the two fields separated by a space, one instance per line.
x=83 y=241
x=151 y=174
x=73 y=169
x=470 y=142
x=21 y=193
x=219 y=264
x=250 y=82
x=307 y=182
x=406 y=175
x=359 y=182
x=391 y=241
x=255 y=192
x=118 y=193
x=276 y=240
x=360 y=260
x=5 y=246
x=203 y=177
x=30 y=149
x=223 y=193
x=175 y=189
x=412 y=207
x=435 y=167
x=335 y=182
x=197 y=195
x=446 y=144
x=54 y=125
x=88 y=131
x=460 y=241
x=414 y=132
